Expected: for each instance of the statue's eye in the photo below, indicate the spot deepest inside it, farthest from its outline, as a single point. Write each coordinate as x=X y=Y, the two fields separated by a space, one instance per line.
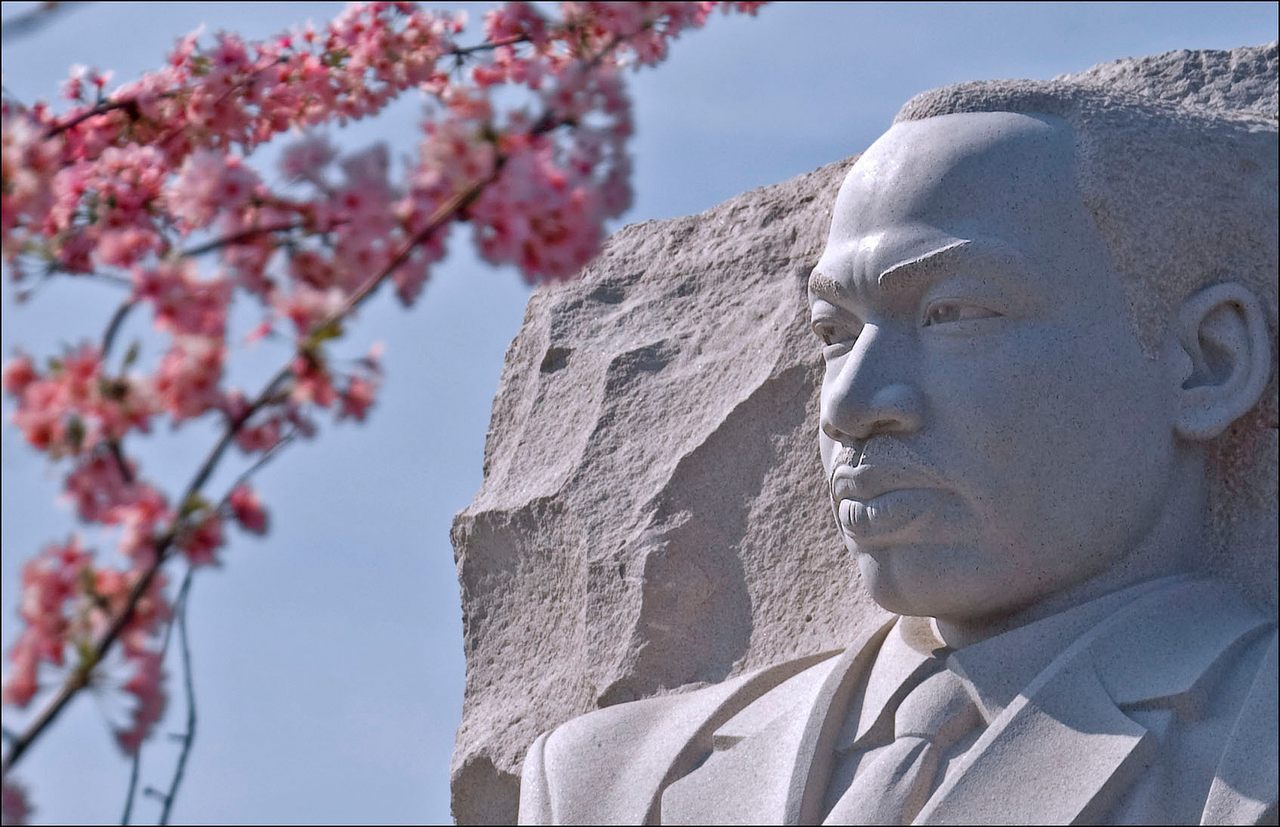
x=946 y=312
x=837 y=336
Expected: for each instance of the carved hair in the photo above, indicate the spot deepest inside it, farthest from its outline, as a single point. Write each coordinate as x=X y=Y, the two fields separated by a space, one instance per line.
x=1185 y=197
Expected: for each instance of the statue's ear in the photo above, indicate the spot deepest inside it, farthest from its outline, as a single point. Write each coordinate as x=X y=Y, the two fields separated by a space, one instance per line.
x=1223 y=329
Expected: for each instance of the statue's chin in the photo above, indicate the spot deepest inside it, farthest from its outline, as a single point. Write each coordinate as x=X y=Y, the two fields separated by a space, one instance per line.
x=887 y=586
x=938 y=581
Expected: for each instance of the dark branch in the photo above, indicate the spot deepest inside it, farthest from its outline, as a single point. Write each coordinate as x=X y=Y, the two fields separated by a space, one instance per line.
x=266 y=457
x=29 y=22
x=465 y=51
x=135 y=767
x=237 y=237
x=113 y=326
x=128 y=104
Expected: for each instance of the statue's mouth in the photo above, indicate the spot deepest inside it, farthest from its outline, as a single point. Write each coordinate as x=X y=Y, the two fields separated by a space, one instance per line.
x=876 y=502
x=887 y=516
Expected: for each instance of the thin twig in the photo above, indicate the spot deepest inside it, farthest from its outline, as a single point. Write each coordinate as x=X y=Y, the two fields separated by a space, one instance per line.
x=464 y=51
x=188 y=737
x=237 y=237
x=113 y=326
x=257 y=466
x=443 y=214
x=49 y=269
x=117 y=454
x=179 y=603
x=108 y=339
x=134 y=769
x=105 y=278
x=29 y=22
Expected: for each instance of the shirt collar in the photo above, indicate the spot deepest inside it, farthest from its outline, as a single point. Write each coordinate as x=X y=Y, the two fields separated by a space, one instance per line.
x=996 y=670
x=906 y=658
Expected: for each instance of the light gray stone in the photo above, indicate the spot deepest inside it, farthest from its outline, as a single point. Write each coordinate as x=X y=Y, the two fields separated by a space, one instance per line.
x=654 y=514
x=653 y=511
x=1242 y=79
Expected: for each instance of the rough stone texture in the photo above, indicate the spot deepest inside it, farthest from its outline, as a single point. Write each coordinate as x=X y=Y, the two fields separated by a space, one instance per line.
x=653 y=514
x=653 y=507
x=1241 y=79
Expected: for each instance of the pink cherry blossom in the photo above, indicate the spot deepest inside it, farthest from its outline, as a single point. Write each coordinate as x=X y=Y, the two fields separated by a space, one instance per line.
x=307 y=306
x=146 y=685
x=248 y=510
x=201 y=542
x=306 y=159
x=184 y=304
x=312 y=382
x=208 y=182
x=73 y=407
x=97 y=485
x=14 y=805
x=515 y=20
x=153 y=183
x=19 y=373
x=187 y=381
x=141 y=518
x=356 y=398
x=49 y=581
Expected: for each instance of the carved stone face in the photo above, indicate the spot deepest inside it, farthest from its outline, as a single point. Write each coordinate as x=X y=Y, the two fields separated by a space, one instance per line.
x=994 y=434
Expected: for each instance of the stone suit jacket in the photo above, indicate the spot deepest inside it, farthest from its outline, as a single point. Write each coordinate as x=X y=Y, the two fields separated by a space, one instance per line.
x=1173 y=698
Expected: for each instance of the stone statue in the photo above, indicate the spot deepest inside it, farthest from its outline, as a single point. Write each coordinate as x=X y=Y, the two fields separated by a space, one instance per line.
x=1048 y=321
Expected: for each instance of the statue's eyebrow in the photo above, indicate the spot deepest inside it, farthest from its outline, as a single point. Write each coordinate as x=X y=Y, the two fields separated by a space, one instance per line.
x=897 y=276
x=992 y=256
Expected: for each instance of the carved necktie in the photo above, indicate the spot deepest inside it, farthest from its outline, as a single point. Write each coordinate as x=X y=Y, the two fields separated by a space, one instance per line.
x=894 y=782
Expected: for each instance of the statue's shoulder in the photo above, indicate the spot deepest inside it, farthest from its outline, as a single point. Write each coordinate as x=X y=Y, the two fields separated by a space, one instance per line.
x=610 y=765
x=1166 y=641
x=1202 y=651
x=1246 y=784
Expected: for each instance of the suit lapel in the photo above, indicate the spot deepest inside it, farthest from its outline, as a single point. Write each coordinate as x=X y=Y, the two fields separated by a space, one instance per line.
x=1026 y=767
x=1064 y=751
x=776 y=774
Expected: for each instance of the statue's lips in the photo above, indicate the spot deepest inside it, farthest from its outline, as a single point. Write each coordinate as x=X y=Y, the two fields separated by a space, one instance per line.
x=889 y=514
x=878 y=502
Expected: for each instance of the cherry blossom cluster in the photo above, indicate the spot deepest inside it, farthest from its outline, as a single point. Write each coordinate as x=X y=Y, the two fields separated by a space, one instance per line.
x=151 y=185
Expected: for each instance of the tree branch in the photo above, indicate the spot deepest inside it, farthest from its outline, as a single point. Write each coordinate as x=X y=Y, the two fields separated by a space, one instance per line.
x=266 y=457
x=79 y=678
x=29 y=22
x=129 y=104
x=134 y=769
x=113 y=326
x=237 y=237
x=490 y=45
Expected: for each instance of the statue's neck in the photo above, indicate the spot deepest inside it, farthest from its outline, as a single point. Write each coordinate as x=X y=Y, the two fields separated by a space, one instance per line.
x=1173 y=545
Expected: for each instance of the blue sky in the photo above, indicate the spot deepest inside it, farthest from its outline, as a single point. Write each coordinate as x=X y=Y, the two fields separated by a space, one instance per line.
x=328 y=656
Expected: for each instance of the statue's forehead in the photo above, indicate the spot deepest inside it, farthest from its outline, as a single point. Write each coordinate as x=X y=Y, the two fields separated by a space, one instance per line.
x=960 y=167
x=997 y=175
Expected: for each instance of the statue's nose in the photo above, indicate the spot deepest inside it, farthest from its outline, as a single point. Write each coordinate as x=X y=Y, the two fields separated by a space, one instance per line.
x=870 y=393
